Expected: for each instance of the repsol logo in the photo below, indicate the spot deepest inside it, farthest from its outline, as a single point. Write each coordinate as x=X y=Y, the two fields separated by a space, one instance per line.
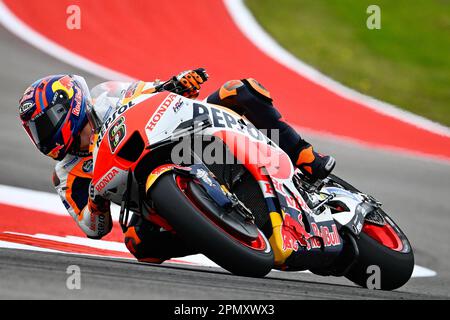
x=160 y=112
x=111 y=119
x=106 y=180
x=98 y=224
x=223 y=119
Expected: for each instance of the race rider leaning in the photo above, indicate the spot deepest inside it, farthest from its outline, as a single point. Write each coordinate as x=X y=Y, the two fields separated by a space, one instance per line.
x=53 y=111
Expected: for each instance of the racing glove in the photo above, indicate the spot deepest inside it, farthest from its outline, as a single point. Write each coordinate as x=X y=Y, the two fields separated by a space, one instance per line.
x=95 y=219
x=188 y=82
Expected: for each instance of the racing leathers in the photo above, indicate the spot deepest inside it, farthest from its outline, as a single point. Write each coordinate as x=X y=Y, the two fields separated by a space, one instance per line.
x=146 y=241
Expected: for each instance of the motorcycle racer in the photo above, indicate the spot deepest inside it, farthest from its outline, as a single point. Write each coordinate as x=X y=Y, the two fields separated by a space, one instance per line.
x=54 y=113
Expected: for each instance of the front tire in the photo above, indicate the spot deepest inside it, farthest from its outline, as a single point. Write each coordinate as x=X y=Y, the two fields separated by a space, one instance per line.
x=201 y=232
x=385 y=247
x=395 y=267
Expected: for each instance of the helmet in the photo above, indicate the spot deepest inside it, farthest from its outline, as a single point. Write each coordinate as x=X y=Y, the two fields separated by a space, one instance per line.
x=53 y=113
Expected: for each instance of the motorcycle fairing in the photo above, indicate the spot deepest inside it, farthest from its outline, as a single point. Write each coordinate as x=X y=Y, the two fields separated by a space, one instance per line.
x=136 y=111
x=270 y=166
x=273 y=169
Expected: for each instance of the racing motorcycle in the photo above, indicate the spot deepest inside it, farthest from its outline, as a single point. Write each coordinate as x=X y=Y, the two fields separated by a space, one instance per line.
x=249 y=210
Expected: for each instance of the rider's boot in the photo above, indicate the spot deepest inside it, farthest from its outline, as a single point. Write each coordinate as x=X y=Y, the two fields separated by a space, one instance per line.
x=314 y=165
x=148 y=244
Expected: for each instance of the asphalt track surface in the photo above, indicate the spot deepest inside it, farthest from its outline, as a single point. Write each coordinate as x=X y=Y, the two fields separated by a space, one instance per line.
x=413 y=190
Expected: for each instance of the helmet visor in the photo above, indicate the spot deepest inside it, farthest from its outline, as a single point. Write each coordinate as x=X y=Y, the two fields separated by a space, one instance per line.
x=45 y=125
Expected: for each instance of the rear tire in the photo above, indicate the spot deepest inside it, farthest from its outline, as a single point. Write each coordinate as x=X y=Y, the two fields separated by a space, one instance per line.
x=206 y=236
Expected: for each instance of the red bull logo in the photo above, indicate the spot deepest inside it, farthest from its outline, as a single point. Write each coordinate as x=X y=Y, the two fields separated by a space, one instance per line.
x=330 y=238
x=55 y=151
x=295 y=236
x=293 y=233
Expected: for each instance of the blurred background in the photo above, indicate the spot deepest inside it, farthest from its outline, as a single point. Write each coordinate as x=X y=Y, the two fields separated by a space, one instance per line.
x=405 y=63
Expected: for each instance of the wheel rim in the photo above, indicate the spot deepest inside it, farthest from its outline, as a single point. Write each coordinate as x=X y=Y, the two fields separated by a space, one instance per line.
x=385 y=235
x=259 y=244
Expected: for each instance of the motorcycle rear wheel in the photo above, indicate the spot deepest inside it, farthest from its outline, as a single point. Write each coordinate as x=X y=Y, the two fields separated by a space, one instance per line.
x=176 y=204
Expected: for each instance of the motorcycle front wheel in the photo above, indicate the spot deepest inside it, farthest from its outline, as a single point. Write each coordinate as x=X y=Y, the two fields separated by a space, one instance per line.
x=381 y=247
x=183 y=204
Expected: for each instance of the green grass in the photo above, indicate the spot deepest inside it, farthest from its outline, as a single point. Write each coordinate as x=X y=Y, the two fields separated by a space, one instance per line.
x=406 y=62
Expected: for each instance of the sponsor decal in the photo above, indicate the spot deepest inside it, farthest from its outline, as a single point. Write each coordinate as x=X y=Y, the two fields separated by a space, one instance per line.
x=111 y=119
x=131 y=90
x=160 y=112
x=87 y=166
x=267 y=188
x=107 y=178
x=55 y=152
x=117 y=133
x=65 y=84
x=294 y=235
x=330 y=237
x=27 y=95
x=101 y=225
x=76 y=110
x=55 y=97
x=93 y=221
x=25 y=107
x=178 y=105
x=97 y=224
x=71 y=162
x=221 y=118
